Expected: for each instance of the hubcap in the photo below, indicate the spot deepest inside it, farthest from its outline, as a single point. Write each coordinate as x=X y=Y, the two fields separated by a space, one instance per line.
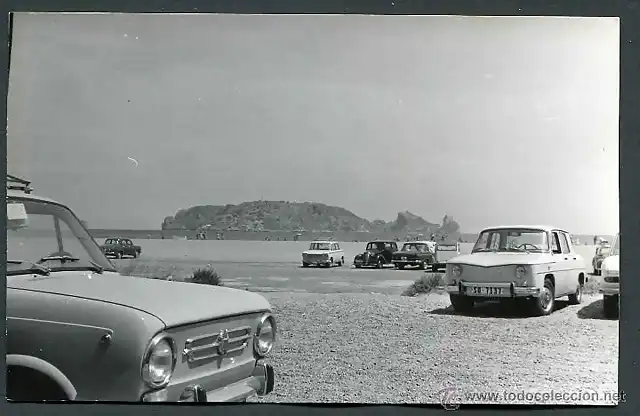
x=545 y=298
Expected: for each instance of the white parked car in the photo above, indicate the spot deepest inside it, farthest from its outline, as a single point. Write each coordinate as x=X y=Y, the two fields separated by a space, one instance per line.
x=444 y=253
x=610 y=284
x=536 y=263
x=323 y=253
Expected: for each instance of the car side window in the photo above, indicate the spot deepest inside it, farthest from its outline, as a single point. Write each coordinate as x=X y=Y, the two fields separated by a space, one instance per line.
x=337 y=246
x=555 y=243
x=567 y=238
x=564 y=245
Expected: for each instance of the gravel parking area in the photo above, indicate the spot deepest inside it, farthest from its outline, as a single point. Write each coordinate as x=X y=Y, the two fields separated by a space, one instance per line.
x=378 y=348
x=348 y=336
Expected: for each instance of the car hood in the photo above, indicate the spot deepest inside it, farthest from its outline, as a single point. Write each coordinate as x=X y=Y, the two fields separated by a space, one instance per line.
x=174 y=303
x=109 y=245
x=313 y=252
x=502 y=259
x=611 y=263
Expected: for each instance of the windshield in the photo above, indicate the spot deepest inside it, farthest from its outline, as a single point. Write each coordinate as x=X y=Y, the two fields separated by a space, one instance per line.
x=111 y=241
x=375 y=246
x=615 y=250
x=416 y=248
x=320 y=246
x=512 y=239
x=54 y=238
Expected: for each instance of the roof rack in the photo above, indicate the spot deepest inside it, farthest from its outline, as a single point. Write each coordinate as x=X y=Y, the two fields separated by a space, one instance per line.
x=18 y=184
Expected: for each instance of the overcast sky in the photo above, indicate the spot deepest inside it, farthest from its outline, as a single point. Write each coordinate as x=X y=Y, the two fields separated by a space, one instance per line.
x=491 y=120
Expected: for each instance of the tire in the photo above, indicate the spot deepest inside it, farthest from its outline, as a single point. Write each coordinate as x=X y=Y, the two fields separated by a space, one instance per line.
x=576 y=298
x=118 y=255
x=379 y=264
x=434 y=267
x=546 y=302
x=341 y=261
x=610 y=305
x=399 y=266
x=461 y=303
x=422 y=266
x=135 y=254
x=358 y=266
x=305 y=264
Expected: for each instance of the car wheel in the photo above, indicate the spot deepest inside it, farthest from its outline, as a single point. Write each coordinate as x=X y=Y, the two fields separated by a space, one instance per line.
x=546 y=302
x=576 y=298
x=422 y=265
x=118 y=255
x=399 y=266
x=611 y=306
x=379 y=264
x=135 y=254
x=461 y=303
x=341 y=261
x=434 y=267
x=305 y=264
x=358 y=266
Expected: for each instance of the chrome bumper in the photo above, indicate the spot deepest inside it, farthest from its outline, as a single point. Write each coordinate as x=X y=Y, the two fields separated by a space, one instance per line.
x=509 y=289
x=260 y=383
x=410 y=261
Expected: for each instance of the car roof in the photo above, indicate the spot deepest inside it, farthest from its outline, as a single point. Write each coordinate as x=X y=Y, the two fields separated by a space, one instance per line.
x=528 y=226
x=382 y=241
x=323 y=241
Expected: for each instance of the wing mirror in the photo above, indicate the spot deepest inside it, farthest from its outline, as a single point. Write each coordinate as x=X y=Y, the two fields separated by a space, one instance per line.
x=16 y=216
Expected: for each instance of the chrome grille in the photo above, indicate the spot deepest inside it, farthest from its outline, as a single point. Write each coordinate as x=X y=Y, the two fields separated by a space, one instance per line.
x=227 y=341
x=488 y=274
x=315 y=257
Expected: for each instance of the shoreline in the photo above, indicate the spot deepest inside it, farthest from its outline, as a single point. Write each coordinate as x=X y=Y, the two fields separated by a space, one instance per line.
x=274 y=235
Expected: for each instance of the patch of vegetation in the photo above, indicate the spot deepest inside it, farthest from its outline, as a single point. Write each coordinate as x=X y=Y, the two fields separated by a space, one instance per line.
x=427 y=283
x=206 y=276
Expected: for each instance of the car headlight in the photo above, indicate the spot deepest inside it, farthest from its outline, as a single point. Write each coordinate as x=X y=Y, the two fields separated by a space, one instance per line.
x=159 y=361
x=457 y=270
x=521 y=271
x=265 y=336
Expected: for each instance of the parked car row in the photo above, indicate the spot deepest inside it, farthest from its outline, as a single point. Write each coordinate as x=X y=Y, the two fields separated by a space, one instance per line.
x=69 y=310
x=383 y=253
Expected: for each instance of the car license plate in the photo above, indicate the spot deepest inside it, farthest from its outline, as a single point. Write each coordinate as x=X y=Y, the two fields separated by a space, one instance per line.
x=484 y=291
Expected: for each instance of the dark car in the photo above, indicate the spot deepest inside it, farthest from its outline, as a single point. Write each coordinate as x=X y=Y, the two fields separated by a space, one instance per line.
x=416 y=254
x=377 y=254
x=120 y=247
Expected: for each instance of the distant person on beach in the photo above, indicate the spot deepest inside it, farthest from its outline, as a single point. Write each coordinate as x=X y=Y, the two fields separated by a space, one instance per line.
x=595 y=240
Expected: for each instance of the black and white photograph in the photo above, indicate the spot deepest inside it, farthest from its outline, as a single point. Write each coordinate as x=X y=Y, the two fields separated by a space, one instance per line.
x=272 y=208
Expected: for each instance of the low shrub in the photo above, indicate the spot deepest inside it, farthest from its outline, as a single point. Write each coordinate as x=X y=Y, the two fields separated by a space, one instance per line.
x=206 y=276
x=427 y=283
